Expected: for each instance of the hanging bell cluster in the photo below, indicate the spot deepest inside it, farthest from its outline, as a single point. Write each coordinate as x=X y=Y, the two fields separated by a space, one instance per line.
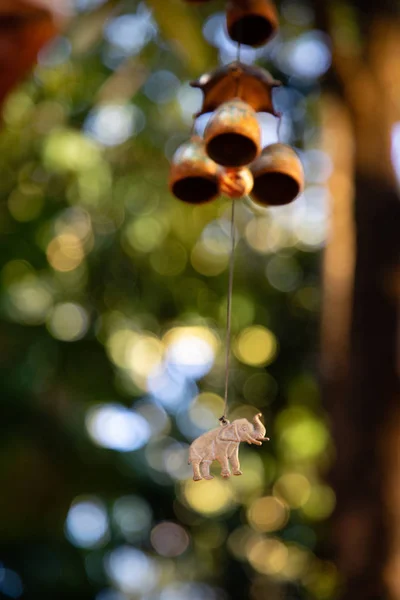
x=230 y=159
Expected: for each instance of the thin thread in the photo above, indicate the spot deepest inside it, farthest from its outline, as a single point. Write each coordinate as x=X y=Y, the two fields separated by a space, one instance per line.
x=238 y=52
x=193 y=128
x=279 y=126
x=229 y=313
x=240 y=73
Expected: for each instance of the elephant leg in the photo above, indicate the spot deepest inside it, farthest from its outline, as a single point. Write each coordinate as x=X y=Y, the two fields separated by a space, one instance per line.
x=234 y=458
x=205 y=469
x=223 y=461
x=196 y=469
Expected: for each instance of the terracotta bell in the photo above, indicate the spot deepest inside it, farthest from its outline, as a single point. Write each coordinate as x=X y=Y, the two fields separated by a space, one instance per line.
x=251 y=22
x=251 y=84
x=233 y=135
x=193 y=176
x=278 y=176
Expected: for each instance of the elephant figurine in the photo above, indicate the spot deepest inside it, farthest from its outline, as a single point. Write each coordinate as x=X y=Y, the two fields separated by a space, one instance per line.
x=222 y=444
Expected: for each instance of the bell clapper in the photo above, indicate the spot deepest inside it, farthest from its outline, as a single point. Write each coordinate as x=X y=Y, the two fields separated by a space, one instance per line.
x=235 y=183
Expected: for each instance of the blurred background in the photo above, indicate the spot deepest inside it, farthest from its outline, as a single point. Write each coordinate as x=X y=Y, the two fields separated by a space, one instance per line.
x=113 y=302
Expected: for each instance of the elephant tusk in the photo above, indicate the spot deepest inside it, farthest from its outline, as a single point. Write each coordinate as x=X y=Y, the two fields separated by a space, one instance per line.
x=265 y=439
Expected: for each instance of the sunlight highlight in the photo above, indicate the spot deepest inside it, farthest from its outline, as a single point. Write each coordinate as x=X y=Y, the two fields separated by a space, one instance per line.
x=116 y=427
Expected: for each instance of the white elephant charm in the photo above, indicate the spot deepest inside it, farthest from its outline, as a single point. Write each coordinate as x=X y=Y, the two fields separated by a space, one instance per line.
x=222 y=444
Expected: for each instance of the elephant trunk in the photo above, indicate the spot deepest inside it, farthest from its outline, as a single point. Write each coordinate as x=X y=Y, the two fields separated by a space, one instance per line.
x=252 y=440
x=259 y=429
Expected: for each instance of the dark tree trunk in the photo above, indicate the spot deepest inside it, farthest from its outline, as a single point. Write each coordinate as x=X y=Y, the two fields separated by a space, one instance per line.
x=359 y=363
x=369 y=406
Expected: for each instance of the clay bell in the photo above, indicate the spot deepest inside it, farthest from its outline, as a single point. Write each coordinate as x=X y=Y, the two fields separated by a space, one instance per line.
x=233 y=135
x=251 y=84
x=278 y=176
x=193 y=176
x=251 y=22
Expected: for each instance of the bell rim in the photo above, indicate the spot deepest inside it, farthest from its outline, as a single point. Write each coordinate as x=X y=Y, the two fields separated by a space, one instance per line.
x=213 y=180
x=264 y=199
x=217 y=158
x=239 y=37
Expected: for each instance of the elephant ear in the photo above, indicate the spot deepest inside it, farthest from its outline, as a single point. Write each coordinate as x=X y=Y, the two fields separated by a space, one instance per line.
x=229 y=433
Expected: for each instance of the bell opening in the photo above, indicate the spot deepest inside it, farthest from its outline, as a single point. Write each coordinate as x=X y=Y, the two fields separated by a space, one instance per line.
x=195 y=190
x=232 y=150
x=252 y=30
x=275 y=189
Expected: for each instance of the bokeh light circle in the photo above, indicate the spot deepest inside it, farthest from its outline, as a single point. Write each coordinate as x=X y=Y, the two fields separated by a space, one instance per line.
x=68 y=322
x=169 y=539
x=133 y=516
x=115 y=123
x=268 y=556
x=86 y=525
x=209 y=498
x=255 y=346
x=293 y=488
x=191 y=350
x=268 y=514
x=116 y=427
x=131 y=570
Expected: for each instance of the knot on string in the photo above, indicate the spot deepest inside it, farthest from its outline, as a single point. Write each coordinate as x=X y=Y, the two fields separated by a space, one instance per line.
x=224 y=421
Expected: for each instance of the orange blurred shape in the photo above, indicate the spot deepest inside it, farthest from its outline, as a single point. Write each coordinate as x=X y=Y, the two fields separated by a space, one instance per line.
x=25 y=26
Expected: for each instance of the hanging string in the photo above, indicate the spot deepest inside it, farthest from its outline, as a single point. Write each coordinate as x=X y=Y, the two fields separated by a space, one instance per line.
x=238 y=52
x=239 y=74
x=280 y=121
x=223 y=419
